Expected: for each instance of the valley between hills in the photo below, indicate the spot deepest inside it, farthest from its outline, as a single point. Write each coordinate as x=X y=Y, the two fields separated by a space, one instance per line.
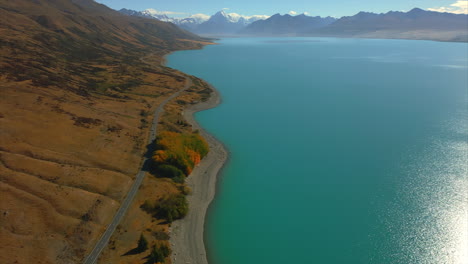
x=79 y=85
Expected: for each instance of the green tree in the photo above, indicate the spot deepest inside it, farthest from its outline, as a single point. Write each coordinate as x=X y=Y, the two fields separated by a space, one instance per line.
x=156 y=255
x=169 y=171
x=165 y=250
x=172 y=207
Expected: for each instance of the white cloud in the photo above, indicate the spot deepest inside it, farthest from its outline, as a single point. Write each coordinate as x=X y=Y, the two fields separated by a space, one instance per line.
x=257 y=17
x=459 y=7
x=200 y=16
x=226 y=8
x=235 y=17
x=461 y=4
x=157 y=12
x=295 y=13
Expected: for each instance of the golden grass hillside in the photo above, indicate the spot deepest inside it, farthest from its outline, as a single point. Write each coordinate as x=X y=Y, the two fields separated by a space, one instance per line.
x=75 y=106
x=155 y=188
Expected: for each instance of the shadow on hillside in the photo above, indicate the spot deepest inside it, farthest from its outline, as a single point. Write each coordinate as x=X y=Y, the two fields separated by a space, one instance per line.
x=150 y=148
x=149 y=259
x=132 y=252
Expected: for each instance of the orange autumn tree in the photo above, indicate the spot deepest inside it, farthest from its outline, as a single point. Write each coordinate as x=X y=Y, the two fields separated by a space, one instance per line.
x=177 y=154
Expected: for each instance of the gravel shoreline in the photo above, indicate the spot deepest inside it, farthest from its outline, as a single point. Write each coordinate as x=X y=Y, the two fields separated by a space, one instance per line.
x=187 y=235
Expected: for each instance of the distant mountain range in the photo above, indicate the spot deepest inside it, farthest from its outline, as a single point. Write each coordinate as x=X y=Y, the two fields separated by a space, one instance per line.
x=220 y=23
x=415 y=24
x=286 y=25
x=225 y=24
x=188 y=23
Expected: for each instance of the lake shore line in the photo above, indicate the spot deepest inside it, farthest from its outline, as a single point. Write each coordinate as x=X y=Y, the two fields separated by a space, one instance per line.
x=187 y=235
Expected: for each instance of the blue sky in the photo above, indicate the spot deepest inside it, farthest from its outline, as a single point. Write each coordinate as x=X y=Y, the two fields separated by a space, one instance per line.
x=336 y=8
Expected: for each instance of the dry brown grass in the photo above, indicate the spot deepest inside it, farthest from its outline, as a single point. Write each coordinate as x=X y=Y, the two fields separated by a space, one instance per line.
x=137 y=221
x=65 y=163
x=75 y=106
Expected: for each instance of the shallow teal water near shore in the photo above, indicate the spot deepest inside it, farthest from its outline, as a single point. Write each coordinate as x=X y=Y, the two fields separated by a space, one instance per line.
x=342 y=150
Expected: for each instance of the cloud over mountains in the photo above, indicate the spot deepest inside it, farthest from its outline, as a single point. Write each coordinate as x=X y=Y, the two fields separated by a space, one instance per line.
x=459 y=7
x=157 y=12
x=200 y=16
x=442 y=23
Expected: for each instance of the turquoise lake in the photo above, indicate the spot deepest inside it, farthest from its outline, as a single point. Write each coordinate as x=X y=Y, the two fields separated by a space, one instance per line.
x=342 y=151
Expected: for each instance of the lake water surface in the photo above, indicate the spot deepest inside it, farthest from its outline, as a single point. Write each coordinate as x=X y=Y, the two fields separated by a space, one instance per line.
x=343 y=151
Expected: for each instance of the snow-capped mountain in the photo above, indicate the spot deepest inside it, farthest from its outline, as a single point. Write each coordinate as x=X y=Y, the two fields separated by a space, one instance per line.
x=152 y=13
x=197 y=18
x=221 y=23
x=236 y=18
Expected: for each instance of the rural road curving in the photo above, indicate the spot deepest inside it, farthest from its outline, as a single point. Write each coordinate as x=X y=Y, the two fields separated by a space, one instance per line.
x=104 y=240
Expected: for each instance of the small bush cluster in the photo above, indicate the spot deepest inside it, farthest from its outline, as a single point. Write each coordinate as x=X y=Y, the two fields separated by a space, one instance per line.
x=177 y=154
x=169 y=171
x=169 y=208
x=159 y=253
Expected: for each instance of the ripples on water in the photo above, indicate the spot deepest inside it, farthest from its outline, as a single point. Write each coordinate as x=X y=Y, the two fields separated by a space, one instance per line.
x=433 y=204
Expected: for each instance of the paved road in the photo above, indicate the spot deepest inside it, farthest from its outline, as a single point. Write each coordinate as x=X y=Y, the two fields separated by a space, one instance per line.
x=104 y=240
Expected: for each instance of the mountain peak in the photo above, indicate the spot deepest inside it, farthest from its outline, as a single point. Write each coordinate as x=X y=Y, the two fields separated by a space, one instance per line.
x=220 y=17
x=363 y=13
x=221 y=13
x=416 y=10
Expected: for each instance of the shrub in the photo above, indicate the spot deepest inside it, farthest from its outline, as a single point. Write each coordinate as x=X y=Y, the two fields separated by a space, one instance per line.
x=172 y=207
x=155 y=255
x=165 y=250
x=180 y=150
x=169 y=208
x=169 y=171
x=147 y=206
x=184 y=189
x=159 y=253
